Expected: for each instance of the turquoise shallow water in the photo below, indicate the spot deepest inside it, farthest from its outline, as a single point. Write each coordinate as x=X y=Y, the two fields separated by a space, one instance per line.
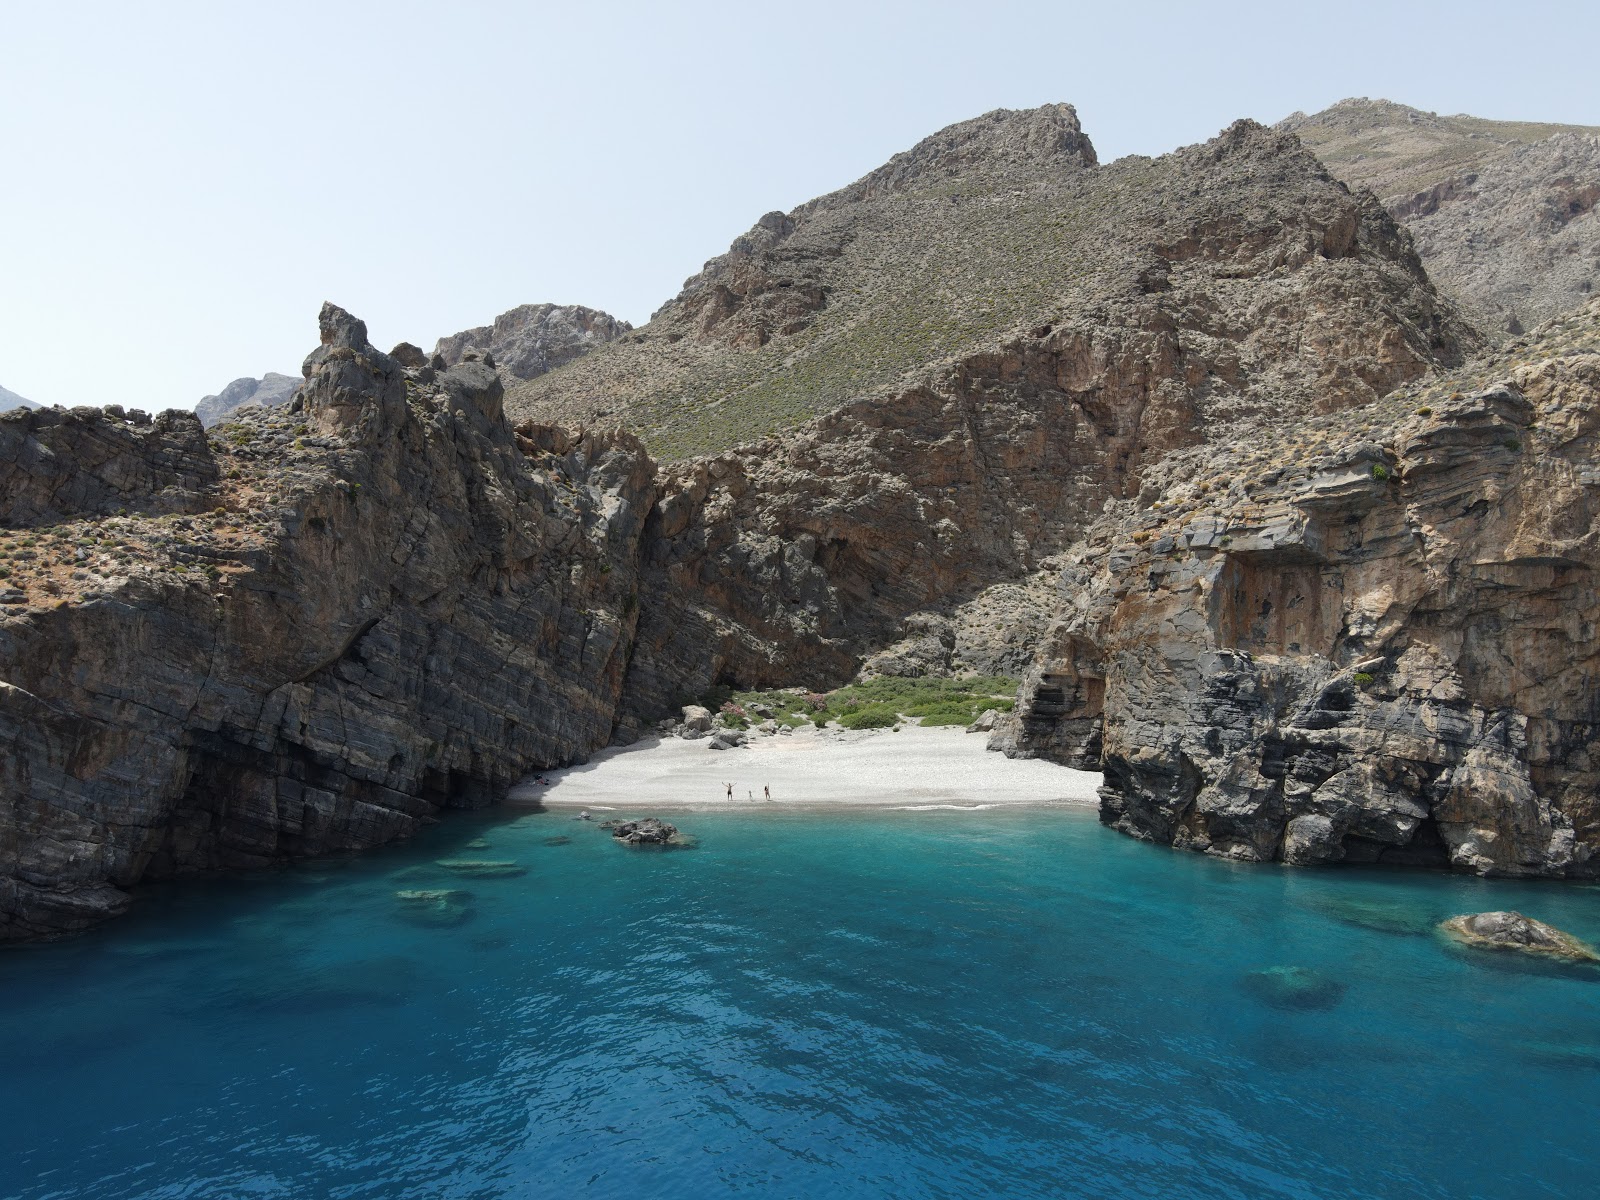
x=898 y=1004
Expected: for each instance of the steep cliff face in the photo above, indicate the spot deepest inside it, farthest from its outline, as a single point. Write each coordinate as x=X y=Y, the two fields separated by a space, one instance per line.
x=1369 y=639
x=378 y=604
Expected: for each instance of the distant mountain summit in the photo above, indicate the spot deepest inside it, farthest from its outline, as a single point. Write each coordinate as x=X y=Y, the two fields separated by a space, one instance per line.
x=999 y=228
x=531 y=339
x=271 y=389
x=10 y=400
x=1502 y=211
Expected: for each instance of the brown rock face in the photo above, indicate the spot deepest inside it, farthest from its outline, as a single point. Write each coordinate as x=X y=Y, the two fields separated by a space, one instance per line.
x=787 y=560
x=418 y=615
x=1367 y=639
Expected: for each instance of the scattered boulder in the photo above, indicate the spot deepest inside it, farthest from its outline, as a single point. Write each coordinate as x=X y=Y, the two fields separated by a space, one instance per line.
x=646 y=831
x=1515 y=932
x=727 y=739
x=985 y=721
x=696 y=719
x=1294 y=988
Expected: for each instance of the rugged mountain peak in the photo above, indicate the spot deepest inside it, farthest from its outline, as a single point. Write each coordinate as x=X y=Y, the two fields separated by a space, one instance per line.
x=999 y=143
x=987 y=231
x=351 y=385
x=1502 y=212
x=531 y=339
x=270 y=390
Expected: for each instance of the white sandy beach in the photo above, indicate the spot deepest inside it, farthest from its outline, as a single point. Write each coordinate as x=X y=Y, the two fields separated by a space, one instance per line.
x=914 y=768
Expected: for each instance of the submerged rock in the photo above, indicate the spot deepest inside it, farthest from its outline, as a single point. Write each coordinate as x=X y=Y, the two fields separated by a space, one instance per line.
x=482 y=868
x=1381 y=916
x=1294 y=987
x=435 y=906
x=1515 y=932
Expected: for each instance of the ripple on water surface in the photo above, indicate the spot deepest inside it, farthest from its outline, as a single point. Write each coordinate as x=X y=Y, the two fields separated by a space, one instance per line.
x=935 y=1003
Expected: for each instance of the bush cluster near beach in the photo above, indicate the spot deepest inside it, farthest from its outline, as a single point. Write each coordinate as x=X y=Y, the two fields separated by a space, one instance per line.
x=881 y=703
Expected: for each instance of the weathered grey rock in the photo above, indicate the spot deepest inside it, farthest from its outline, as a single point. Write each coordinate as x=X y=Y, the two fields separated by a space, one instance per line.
x=647 y=831
x=269 y=391
x=696 y=719
x=985 y=722
x=534 y=338
x=1514 y=932
x=727 y=739
x=1503 y=213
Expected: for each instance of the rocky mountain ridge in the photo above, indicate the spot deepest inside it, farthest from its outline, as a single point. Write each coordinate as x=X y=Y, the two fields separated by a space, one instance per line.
x=271 y=389
x=531 y=339
x=1502 y=211
x=999 y=226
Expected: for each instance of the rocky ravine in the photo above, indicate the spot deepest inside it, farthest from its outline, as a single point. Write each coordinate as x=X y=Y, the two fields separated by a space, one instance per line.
x=314 y=626
x=1371 y=638
x=308 y=631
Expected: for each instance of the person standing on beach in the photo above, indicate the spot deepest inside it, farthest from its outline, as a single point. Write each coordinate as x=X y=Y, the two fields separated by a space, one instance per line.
x=730 y=790
x=766 y=791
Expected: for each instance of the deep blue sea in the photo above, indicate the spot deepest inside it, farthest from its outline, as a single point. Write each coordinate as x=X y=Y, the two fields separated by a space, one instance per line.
x=883 y=1004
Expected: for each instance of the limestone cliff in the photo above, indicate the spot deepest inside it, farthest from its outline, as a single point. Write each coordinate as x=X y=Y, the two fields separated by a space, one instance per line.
x=307 y=632
x=1370 y=638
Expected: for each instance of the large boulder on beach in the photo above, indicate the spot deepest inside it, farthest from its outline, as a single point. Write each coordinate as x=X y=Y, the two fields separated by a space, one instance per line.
x=727 y=739
x=696 y=719
x=1513 y=931
x=647 y=831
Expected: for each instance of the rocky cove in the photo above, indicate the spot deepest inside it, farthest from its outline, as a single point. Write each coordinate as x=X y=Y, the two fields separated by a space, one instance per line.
x=1275 y=542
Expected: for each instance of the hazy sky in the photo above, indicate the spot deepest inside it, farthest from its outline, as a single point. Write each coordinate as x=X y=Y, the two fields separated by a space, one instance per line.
x=182 y=185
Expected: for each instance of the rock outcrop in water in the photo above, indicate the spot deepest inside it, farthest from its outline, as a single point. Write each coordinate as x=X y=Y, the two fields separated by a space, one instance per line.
x=1370 y=637
x=1522 y=935
x=306 y=635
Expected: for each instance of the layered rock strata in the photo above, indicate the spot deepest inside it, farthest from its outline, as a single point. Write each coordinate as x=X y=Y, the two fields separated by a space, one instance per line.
x=1371 y=638
x=379 y=604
